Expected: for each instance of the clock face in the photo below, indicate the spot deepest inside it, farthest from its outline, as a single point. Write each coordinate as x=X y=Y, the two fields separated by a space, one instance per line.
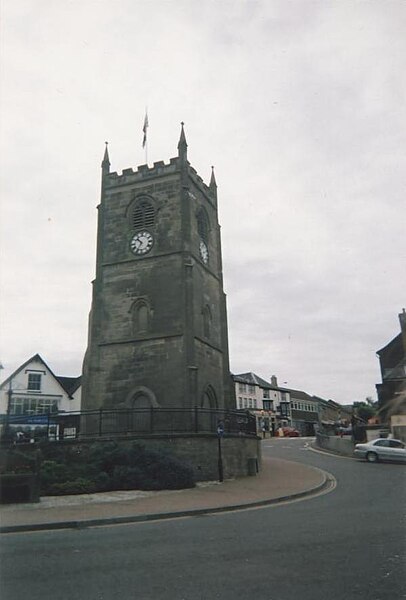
x=204 y=252
x=141 y=242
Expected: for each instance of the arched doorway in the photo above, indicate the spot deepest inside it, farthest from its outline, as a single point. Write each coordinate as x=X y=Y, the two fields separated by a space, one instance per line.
x=140 y=402
x=208 y=419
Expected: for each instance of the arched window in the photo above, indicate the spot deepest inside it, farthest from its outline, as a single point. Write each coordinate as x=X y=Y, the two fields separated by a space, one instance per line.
x=141 y=316
x=143 y=214
x=209 y=398
x=203 y=225
x=141 y=400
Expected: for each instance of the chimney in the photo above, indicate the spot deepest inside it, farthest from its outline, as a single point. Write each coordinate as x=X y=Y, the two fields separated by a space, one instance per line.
x=274 y=381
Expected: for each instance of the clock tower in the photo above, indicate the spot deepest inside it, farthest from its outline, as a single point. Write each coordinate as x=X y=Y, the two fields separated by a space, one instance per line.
x=158 y=322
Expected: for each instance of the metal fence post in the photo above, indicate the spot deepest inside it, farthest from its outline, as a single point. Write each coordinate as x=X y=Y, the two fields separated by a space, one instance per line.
x=196 y=420
x=151 y=420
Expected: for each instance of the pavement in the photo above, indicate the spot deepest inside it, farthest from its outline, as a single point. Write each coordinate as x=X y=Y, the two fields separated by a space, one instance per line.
x=278 y=481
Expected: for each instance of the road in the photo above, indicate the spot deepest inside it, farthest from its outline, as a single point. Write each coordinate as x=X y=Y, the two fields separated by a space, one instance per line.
x=347 y=544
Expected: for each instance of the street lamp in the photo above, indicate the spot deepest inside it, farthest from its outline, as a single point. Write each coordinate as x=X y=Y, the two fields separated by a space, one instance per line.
x=220 y=433
x=9 y=395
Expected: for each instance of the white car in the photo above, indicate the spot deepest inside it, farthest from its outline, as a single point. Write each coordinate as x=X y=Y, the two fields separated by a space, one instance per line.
x=381 y=449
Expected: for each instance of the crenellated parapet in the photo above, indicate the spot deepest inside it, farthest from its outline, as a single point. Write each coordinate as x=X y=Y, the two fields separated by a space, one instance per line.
x=142 y=173
x=159 y=169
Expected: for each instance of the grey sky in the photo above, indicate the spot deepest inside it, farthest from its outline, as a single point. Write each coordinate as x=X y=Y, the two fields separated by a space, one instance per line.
x=300 y=105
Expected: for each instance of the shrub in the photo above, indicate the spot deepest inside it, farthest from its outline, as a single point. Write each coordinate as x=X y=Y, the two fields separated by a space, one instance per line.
x=53 y=472
x=77 y=486
x=15 y=461
x=110 y=466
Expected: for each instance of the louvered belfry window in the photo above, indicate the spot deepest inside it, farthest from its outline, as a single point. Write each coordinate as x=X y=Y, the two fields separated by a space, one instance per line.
x=143 y=215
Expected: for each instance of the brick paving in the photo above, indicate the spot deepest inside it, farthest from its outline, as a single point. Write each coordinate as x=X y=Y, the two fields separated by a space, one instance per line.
x=278 y=480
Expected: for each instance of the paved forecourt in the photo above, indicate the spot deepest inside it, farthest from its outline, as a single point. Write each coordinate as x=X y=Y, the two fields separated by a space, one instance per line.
x=279 y=480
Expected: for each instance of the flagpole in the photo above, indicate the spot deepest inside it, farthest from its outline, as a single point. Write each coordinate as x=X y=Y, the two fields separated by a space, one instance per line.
x=145 y=138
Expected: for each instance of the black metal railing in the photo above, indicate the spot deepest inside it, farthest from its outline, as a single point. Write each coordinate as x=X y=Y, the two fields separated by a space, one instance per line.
x=149 y=421
x=135 y=422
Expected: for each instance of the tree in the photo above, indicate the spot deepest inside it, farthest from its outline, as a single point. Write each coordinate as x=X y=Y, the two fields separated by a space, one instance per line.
x=364 y=411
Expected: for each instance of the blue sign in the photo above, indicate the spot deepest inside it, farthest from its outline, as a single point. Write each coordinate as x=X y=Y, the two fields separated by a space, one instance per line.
x=31 y=420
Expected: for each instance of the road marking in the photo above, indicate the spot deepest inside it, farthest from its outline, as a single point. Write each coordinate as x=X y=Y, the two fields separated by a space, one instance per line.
x=327 y=453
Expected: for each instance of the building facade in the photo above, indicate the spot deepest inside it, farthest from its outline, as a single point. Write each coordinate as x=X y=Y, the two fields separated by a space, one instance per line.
x=275 y=406
x=392 y=390
x=34 y=400
x=332 y=415
x=158 y=322
x=270 y=404
x=304 y=412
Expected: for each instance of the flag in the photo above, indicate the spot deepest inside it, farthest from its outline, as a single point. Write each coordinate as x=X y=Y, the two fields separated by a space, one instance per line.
x=144 y=129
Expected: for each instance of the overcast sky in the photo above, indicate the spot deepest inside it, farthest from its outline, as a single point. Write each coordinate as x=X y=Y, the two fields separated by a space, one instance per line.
x=300 y=105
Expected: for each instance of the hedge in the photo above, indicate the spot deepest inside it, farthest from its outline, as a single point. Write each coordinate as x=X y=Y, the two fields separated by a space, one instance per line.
x=102 y=467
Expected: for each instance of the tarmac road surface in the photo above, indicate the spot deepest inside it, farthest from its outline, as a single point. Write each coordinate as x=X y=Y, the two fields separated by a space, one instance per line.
x=345 y=544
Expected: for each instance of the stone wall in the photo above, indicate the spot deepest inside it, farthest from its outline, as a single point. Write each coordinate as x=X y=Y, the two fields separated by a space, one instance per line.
x=201 y=451
x=344 y=446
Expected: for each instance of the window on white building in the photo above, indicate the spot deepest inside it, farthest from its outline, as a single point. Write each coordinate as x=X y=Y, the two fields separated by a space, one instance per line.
x=34 y=382
x=33 y=406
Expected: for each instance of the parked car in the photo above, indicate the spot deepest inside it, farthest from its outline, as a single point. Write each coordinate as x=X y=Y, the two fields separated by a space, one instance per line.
x=290 y=432
x=341 y=431
x=381 y=449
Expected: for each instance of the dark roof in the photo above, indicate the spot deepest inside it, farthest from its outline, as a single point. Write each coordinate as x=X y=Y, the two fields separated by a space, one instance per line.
x=70 y=384
x=323 y=400
x=253 y=379
x=299 y=394
x=394 y=342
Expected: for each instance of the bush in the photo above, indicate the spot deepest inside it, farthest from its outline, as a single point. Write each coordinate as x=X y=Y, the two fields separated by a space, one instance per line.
x=110 y=466
x=53 y=472
x=77 y=486
x=16 y=461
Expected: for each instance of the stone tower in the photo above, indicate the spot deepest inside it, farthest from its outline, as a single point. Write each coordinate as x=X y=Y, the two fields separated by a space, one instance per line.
x=158 y=323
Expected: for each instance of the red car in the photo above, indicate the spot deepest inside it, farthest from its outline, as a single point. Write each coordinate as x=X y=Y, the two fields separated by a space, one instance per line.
x=290 y=432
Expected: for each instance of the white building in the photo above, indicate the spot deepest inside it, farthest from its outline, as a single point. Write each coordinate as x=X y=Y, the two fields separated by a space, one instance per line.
x=270 y=404
x=33 y=398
